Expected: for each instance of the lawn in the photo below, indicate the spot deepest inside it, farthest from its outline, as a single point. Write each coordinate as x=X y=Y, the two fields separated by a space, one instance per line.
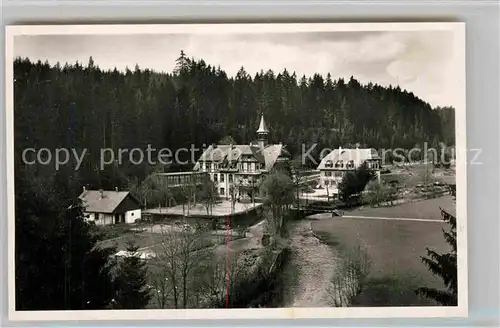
x=410 y=176
x=141 y=239
x=423 y=209
x=394 y=248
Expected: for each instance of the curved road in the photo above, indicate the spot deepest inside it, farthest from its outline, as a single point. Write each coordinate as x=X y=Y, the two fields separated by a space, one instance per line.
x=316 y=264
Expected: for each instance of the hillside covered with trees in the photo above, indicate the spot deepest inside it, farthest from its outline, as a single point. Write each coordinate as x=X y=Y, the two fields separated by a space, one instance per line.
x=81 y=106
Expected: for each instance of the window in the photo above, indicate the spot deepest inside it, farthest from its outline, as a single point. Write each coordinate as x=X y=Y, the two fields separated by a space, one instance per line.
x=222 y=178
x=132 y=214
x=350 y=164
x=328 y=174
x=216 y=176
x=230 y=177
x=339 y=164
x=221 y=191
x=326 y=182
x=329 y=163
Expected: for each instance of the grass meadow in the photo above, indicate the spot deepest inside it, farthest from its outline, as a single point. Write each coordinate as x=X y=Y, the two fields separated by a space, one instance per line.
x=394 y=248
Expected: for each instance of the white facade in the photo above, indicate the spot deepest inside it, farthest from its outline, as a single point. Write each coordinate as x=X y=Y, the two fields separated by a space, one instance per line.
x=100 y=218
x=241 y=165
x=340 y=161
x=106 y=218
x=105 y=207
x=225 y=181
x=131 y=216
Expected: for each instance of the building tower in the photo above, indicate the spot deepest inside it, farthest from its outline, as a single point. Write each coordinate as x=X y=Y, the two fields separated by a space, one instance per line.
x=262 y=132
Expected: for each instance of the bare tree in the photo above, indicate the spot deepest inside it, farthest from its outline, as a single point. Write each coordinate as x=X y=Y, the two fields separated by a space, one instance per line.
x=182 y=252
x=278 y=192
x=209 y=195
x=220 y=279
x=187 y=196
x=233 y=195
x=350 y=277
x=161 y=289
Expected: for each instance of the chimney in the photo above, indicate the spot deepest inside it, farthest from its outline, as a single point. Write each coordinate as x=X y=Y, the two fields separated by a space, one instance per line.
x=116 y=188
x=101 y=193
x=84 y=189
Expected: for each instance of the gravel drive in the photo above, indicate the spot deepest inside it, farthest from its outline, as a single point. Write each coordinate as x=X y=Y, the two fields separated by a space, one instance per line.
x=316 y=264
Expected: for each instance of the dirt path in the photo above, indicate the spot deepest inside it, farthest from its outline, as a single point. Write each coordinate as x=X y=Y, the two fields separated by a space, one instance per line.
x=251 y=241
x=315 y=265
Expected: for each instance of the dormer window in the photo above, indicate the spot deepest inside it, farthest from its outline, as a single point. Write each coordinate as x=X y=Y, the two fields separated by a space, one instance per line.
x=329 y=163
x=339 y=164
x=350 y=165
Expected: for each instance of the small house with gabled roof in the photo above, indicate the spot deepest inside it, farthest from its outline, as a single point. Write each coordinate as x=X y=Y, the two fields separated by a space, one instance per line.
x=105 y=207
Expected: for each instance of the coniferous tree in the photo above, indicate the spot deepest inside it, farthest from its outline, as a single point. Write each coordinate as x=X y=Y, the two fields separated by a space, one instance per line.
x=132 y=291
x=58 y=266
x=57 y=107
x=444 y=266
x=354 y=182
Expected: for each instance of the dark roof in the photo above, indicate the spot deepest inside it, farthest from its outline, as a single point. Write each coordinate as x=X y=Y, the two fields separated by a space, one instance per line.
x=266 y=156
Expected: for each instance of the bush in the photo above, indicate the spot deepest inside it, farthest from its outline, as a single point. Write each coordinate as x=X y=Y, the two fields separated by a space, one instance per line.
x=353 y=183
x=350 y=277
x=379 y=193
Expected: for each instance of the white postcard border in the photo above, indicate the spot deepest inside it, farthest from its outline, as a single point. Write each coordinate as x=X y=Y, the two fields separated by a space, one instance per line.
x=279 y=313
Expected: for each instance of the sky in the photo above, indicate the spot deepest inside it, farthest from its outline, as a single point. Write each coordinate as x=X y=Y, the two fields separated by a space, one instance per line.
x=418 y=61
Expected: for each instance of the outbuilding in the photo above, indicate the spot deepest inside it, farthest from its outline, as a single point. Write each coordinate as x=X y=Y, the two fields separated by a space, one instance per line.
x=110 y=207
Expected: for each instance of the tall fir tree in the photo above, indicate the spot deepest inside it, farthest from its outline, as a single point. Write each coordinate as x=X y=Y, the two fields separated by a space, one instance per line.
x=131 y=283
x=58 y=266
x=200 y=105
x=445 y=266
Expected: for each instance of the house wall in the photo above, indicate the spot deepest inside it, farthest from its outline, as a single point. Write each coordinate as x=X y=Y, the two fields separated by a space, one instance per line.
x=331 y=178
x=89 y=216
x=221 y=183
x=103 y=219
x=131 y=216
x=128 y=204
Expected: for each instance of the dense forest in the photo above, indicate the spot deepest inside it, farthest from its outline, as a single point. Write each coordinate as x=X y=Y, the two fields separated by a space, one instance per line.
x=83 y=107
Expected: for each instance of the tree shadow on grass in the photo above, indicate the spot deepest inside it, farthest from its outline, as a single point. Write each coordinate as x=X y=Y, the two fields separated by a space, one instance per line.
x=390 y=291
x=328 y=238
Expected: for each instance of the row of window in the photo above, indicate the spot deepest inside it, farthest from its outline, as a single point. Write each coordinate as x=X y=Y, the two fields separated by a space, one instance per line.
x=220 y=177
x=349 y=164
x=340 y=164
x=244 y=167
x=332 y=183
x=184 y=179
x=335 y=174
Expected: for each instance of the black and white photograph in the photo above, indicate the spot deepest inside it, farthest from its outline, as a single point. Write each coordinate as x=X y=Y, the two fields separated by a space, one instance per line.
x=237 y=170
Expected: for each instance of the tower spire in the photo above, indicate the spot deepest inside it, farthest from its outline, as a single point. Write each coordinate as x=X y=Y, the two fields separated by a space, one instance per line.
x=262 y=132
